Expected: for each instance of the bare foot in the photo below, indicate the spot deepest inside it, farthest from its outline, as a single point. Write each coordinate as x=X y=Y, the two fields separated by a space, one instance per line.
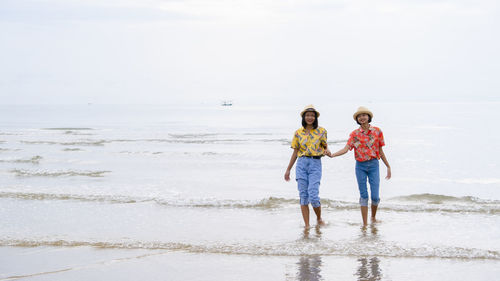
x=321 y=222
x=305 y=234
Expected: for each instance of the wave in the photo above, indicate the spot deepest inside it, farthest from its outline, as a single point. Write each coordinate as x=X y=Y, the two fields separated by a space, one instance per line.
x=103 y=142
x=175 y=140
x=185 y=136
x=69 y=129
x=86 y=143
x=258 y=134
x=142 y=152
x=472 y=204
x=293 y=248
x=9 y=149
x=72 y=149
x=441 y=199
x=270 y=203
x=33 y=160
x=26 y=173
x=206 y=153
x=87 y=198
x=77 y=133
x=200 y=141
x=455 y=180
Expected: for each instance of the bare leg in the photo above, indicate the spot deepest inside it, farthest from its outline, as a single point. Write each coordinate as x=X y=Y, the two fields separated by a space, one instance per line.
x=364 y=214
x=374 y=212
x=305 y=214
x=317 y=211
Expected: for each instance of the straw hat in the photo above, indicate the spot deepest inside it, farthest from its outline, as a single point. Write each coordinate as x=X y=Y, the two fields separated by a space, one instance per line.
x=309 y=108
x=362 y=110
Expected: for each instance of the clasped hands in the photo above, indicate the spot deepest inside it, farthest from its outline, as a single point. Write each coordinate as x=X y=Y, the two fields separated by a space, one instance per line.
x=329 y=153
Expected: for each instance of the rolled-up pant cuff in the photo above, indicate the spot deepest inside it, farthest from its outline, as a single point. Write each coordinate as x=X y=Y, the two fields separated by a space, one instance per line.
x=363 y=202
x=375 y=203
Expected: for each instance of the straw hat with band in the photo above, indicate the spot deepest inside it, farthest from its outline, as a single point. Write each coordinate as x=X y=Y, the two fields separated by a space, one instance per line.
x=362 y=110
x=309 y=108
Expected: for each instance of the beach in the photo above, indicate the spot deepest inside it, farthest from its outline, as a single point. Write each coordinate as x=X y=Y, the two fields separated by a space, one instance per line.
x=197 y=193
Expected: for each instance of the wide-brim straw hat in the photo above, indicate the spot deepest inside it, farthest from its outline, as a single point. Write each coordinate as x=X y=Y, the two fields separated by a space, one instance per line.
x=362 y=110
x=309 y=108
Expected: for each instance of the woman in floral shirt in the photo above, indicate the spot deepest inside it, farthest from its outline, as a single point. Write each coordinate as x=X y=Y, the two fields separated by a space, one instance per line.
x=367 y=142
x=309 y=145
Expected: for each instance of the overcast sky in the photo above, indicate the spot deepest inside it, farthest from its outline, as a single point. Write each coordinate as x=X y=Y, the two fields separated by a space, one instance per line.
x=250 y=51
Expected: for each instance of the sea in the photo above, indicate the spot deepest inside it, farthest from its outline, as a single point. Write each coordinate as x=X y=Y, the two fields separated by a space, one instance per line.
x=196 y=192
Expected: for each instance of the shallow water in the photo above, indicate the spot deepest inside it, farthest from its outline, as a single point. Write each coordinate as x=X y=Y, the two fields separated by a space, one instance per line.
x=207 y=182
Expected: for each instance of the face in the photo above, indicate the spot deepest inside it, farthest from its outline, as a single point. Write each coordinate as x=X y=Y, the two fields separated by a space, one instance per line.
x=363 y=118
x=309 y=117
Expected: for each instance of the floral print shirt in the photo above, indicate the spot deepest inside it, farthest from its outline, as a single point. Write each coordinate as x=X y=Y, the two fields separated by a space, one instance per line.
x=313 y=144
x=366 y=144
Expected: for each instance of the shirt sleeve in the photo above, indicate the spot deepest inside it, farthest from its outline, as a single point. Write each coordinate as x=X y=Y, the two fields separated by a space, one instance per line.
x=350 y=142
x=324 y=139
x=295 y=141
x=381 y=141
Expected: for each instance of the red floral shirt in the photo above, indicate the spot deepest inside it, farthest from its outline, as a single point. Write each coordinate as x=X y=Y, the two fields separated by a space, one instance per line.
x=366 y=144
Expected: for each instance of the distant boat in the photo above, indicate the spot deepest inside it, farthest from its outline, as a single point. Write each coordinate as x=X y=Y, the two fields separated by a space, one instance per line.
x=227 y=103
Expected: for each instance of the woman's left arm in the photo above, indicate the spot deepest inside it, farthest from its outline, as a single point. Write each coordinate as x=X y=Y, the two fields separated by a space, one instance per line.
x=384 y=159
x=327 y=151
x=325 y=147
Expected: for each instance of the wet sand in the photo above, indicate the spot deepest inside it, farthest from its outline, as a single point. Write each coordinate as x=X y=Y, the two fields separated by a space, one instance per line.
x=89 y=263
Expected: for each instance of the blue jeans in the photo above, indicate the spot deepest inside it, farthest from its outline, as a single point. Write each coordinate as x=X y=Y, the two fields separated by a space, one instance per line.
x=368 y=169
x=308 y=176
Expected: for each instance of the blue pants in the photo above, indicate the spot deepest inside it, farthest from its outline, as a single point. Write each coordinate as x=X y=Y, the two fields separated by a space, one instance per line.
x=308 y=176
x=368 y=169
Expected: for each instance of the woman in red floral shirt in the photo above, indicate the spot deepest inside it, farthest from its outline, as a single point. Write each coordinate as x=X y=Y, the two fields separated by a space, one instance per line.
x=367 y=142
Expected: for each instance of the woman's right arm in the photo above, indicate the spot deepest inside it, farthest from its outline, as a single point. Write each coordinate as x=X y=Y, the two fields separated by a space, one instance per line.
x=290 y=165
x=341 y=152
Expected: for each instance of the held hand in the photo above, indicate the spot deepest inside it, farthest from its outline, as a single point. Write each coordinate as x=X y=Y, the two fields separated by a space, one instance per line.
x=328 y=153
x=388 y=173
x=287 y=175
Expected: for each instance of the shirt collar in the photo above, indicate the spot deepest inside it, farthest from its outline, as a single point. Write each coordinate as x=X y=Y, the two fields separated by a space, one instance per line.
x=302 y=130
x=369 y=129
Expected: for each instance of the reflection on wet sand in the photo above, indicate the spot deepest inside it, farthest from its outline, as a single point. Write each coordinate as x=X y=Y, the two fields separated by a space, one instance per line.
x=369 y=269
x=310 y=266
x=371 y=229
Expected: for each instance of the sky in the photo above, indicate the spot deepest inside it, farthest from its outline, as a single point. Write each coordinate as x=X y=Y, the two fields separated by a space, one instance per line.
x=250 y=52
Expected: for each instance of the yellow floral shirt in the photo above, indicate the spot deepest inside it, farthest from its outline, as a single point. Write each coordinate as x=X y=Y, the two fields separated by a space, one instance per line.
x=310 y=145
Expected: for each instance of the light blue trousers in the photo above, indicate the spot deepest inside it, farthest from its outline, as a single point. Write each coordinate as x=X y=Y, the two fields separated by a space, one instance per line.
x=368 y=170
x=308 y=176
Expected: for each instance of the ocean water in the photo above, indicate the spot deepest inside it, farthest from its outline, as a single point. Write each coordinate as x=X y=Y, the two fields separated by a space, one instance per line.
x=86 y=188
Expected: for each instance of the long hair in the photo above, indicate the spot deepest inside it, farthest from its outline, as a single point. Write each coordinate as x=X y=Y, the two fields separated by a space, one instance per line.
x=315 y=123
